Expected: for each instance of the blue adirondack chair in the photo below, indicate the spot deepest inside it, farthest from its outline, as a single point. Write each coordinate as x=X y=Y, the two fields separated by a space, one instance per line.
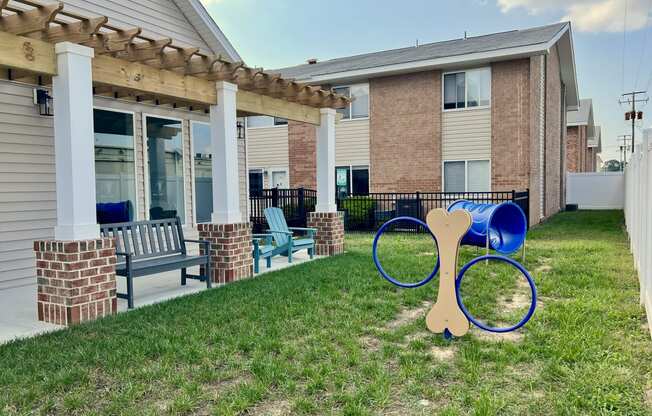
x=283 y=235
x=263 y=249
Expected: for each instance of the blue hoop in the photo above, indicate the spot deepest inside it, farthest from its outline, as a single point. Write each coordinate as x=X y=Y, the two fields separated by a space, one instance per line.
x=382 y=272
x=514 y=263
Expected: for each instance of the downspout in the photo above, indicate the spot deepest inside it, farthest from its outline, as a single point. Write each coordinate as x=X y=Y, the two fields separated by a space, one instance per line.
x=542 y=137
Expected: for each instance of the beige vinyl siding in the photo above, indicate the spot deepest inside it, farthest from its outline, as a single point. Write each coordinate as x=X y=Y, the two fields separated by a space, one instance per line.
x=27 y=182
x=157 y=18
x=187 y=175
x=242 y=172
x=268 y=147
x=352 y=142
x=466 y=134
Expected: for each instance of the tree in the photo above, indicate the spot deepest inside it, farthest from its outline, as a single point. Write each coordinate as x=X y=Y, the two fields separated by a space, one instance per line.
x=612 y=165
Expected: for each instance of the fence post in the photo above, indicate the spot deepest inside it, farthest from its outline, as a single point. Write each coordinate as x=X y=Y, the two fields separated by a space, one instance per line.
x=301 y=204
x=418 y=206
x=275 y=197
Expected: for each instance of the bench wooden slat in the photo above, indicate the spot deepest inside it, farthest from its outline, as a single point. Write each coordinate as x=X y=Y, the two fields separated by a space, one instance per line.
x=174 y=230
x=143 y=239
x=152 y=243
x=167 y=237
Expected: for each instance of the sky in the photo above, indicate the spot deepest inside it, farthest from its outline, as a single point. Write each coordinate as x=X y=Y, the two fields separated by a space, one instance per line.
x=612 y=38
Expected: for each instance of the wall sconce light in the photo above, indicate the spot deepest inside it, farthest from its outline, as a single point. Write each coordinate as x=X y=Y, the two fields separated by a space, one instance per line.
x=241 y=130
x=44 y=102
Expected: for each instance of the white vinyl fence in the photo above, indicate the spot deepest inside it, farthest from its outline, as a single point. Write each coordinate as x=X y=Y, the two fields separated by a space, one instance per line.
x=638 y=216
x=596 y=190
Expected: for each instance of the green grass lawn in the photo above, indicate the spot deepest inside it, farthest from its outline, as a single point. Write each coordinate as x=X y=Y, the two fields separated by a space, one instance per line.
x=332 y=337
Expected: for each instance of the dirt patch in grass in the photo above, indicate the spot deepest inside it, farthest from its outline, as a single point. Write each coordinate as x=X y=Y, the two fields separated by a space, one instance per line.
x=369 y=343
x=407 y=316
x=443 y=353
x=277 y=407
x=514 y=336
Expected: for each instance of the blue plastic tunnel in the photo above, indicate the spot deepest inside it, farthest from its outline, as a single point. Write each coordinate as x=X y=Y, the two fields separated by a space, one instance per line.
x=505 y=223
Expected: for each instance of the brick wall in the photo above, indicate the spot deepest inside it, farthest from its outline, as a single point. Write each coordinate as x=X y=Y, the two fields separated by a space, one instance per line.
x=555 y=136
x=405 y=133
x=510 y=125
x=75 y=280
x=230 y=250
x=572 y=148
x=302 y=155
x=537 y=130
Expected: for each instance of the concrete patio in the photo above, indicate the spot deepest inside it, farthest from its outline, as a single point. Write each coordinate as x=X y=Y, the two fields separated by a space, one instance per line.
x=18 y=305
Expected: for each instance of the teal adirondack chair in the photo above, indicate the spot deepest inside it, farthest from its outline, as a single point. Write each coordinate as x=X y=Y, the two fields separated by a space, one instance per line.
x=285 y=244
x=263 y=249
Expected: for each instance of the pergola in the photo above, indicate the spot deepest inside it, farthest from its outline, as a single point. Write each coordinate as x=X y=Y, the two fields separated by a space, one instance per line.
x=79 y=56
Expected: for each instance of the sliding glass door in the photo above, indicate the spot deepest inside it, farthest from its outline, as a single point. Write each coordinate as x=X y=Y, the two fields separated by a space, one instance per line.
x=165 y=160
x=201 y=141
x=115 y=180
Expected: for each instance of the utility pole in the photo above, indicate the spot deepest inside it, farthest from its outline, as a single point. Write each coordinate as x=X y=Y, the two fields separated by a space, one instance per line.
x=623 y=149
x=633 y=115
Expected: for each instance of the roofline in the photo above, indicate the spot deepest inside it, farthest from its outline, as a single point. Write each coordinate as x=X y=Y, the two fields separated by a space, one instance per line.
x=213 y=28
x=572 y=53
x=420 y=65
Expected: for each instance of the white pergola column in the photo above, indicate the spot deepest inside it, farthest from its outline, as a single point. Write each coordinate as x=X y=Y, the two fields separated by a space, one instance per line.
x=326 y=162
x=72 y=90
x=226 y=189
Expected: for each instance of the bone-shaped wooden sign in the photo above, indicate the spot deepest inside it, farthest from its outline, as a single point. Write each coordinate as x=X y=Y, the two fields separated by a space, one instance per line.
x=448 y=229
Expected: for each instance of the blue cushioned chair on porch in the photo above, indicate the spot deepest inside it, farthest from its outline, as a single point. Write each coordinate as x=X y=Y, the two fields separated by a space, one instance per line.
x=283 y=236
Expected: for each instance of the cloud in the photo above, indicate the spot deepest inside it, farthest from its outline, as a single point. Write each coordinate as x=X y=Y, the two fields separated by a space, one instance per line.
x=588 y=15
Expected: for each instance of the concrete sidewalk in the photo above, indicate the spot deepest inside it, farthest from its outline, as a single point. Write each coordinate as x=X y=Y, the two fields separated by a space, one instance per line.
x=18 y=317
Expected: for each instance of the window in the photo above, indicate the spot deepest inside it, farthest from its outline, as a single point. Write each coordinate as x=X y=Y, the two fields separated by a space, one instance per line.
x=351 y=180
x=255 y=182
x=359 y=107
x=467 y=89
x=115 y=180
x=165 y=157
x=201 y=142
x=467 y=176
x=279 y=179
x=265 y=121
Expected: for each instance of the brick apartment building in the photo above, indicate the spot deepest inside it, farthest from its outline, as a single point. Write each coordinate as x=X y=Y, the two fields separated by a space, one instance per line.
x=474 y=114
x=583 y=139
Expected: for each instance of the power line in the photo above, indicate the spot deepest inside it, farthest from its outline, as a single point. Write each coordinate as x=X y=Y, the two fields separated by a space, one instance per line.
x=622 y=83
x=644 y=52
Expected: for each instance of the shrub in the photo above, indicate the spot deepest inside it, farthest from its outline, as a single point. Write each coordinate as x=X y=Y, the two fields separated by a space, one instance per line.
x=358 y=208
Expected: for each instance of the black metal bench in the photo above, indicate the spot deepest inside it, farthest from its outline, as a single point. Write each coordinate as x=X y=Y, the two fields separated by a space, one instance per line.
x=151 y=247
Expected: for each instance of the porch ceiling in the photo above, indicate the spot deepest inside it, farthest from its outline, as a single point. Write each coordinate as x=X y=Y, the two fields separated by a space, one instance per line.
x=131 y=66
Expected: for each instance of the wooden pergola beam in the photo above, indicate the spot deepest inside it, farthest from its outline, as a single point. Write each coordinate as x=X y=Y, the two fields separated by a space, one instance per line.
x=144 y=51
x=104 y=43
x=253 y=103
x=29 y=21
x=174 y=59
x=76 y=32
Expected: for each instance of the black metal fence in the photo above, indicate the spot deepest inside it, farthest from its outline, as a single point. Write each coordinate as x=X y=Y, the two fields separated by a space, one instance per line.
x=295 y=203
x=369 y=212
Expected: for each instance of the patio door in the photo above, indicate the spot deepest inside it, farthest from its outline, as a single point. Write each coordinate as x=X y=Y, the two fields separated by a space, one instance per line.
x=203 y=167
x=165 y=168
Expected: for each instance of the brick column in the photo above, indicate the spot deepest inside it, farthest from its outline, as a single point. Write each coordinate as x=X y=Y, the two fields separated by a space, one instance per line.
x=329 y=239
x=76 y=280
x=231 y=248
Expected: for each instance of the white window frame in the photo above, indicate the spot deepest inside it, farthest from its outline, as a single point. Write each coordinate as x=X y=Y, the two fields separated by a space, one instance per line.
x=133 y=121
x=271 y=171
x=351 y=118
x=350 y=168
x=147 y=189
x=466 y=91
x=466 y=173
